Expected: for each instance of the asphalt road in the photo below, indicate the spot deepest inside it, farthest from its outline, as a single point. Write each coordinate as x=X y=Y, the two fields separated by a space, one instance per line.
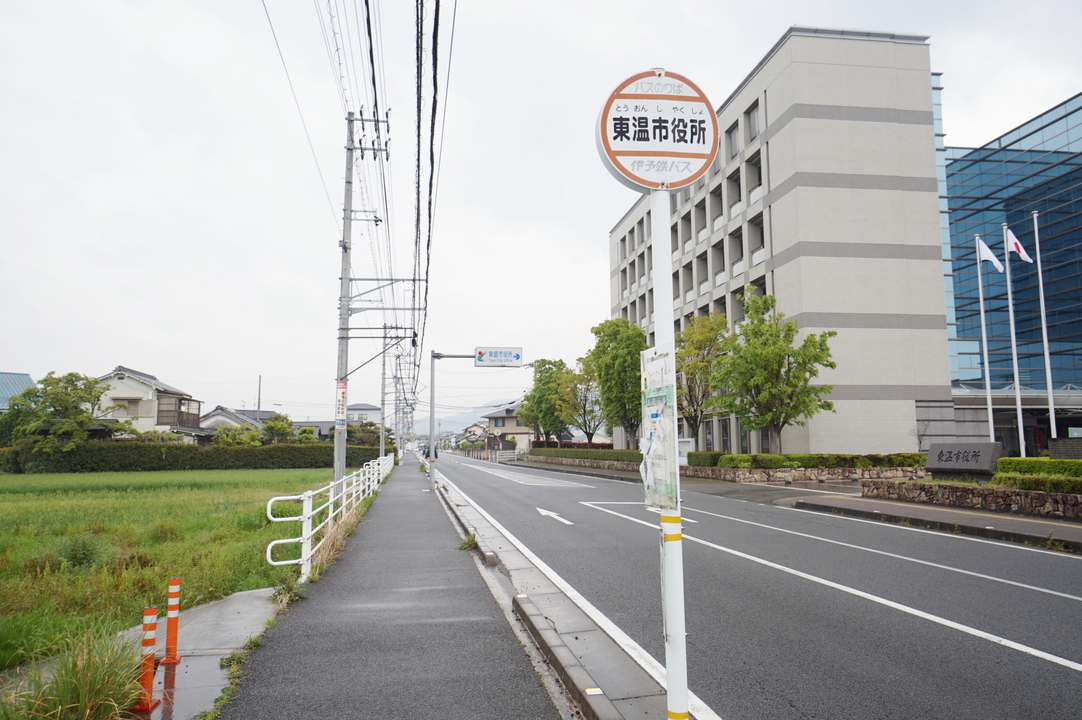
x=793 y=614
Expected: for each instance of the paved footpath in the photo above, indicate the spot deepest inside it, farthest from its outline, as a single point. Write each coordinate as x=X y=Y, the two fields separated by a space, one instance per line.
x=402 y=626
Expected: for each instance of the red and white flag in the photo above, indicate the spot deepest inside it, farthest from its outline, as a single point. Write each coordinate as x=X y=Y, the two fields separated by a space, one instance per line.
x=1015 y=246
x=985 y=253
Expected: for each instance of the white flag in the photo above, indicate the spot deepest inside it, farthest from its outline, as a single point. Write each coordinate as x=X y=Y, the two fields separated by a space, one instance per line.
x=985 y=253
x=1015 y=246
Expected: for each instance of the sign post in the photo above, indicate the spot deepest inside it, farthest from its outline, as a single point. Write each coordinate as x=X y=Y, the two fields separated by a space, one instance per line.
x=656 y=132
x=482 y=357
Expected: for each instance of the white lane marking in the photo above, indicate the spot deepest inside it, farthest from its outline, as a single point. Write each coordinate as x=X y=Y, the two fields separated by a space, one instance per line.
x=892 y=555
x=682 y=519
x=655 y=669
x=534 y=480
x=554 y=516
x=937 y=533
x=1069 y=664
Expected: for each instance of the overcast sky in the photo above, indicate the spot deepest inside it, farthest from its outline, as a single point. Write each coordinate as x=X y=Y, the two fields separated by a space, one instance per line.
x=161 y=208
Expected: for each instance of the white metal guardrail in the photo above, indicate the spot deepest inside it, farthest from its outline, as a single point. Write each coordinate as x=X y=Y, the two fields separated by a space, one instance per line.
x=324 y=508
x=497 y=456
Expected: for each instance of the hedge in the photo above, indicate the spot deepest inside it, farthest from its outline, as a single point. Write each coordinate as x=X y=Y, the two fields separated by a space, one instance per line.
x=805 y=460
x=618 y=455
x=1041 y=466
x=109 y=456
x=570 y=445
x=1044 y=483
x=761 y=461
x=704 y=459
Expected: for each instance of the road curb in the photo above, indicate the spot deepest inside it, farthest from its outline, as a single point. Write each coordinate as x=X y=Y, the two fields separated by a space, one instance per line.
x=487 y=556
x=578 y=682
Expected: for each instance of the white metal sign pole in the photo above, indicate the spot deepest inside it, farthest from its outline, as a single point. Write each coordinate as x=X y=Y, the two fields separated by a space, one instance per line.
x=665 y=433
x=656 y=133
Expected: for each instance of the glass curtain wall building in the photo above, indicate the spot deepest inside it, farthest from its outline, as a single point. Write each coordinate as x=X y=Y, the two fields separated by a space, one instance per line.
x=1035 y=167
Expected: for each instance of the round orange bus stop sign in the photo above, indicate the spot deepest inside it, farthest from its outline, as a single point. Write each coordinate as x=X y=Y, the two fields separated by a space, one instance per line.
x=657 y=131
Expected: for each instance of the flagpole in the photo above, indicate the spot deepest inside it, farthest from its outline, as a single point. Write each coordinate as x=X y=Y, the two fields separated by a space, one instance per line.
x=984 y=343
x=1014 y=345
x=1044 y=329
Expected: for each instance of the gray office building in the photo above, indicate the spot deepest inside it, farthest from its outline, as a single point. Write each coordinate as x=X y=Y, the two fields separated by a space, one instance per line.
x=825 y=194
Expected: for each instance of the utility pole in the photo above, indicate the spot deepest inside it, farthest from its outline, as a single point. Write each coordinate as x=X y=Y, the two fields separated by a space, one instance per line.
x=344 y=300
x=383 y=394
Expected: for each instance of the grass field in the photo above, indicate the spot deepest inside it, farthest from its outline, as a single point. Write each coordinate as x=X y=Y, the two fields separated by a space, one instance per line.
x=80 y=551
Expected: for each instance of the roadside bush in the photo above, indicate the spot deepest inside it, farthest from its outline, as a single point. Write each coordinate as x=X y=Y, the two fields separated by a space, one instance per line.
x=704 y=459
x=94 y=677
x=769 y=462
x=1041 y=466
x=618 y=455
x=734 y=461
x=108 y=456
x=906 y=459
x=1044 y=483
x=806 y=460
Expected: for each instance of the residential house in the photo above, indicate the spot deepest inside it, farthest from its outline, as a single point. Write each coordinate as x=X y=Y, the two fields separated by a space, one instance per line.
x=363 y=412
x=11 y=384
x=150 y=404
x=222 y=415
x=474 y=432
x=356 y=414
x=503 y=426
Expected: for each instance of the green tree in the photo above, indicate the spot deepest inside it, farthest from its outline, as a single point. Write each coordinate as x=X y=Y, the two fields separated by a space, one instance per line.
x=58 y=413
x=764 y=378
x=159 y=436
x=528 y=417
x=579 y=401
x=238 y=436
x=615 y=354
x=697 y=347
x=307 y=436
x=278 y=428
x=544 y=396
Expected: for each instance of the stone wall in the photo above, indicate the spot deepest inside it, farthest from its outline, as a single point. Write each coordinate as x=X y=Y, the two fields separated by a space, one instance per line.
x=747 y=474
x=579 y=462
x=997 y=499
x=1065 y=449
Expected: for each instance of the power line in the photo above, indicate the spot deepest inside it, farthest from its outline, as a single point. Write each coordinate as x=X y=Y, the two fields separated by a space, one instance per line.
x=296 y=102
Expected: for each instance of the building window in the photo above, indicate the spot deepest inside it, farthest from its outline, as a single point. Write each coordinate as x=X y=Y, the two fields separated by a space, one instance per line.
x=499 y=421
x=732 y=141
x=752 y=119
x=733 y=191
x=726 y=444
x=709 y=434
x=131 y=411
x=754 y=171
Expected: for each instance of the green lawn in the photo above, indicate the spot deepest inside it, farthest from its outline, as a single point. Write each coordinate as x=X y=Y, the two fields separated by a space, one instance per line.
x=84 y=550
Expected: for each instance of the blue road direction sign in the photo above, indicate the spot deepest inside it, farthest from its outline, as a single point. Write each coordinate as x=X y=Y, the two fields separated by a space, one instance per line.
x=497 y=357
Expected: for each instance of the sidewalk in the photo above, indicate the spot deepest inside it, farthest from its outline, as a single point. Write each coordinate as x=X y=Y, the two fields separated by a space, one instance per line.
x=401 y=626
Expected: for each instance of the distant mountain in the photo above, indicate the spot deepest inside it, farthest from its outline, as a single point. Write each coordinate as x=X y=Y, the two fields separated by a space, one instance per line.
x=459 y=421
